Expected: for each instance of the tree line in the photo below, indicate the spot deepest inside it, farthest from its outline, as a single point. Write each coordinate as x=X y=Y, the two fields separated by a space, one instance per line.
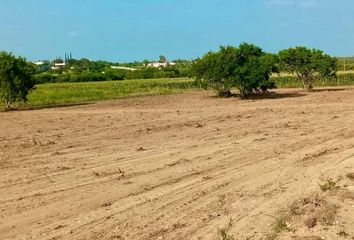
x=85 y=70
x=246 y=68
x=109 y=74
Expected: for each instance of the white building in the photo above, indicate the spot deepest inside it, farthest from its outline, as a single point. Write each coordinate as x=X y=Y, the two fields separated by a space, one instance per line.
x=124 y=68
x=59 y=64
x=160 y=64
x=39 y=63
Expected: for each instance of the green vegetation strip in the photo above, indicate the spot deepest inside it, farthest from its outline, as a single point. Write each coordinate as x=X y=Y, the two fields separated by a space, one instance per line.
x=68 y=93
x=74 y=93
x=293 y=82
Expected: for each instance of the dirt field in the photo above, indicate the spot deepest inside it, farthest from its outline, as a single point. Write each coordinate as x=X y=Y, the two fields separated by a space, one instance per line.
x=185 y=166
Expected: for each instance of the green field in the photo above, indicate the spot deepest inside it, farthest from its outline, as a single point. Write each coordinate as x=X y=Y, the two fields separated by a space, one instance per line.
x=65 y=93
x=342 y=79
x=345 y=63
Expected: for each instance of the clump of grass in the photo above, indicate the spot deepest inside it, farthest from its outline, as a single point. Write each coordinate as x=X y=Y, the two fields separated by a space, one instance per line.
x=343 y=234
x=350 y=176
x=309 y=212
x=223 y=233
x=328 y=185
x=279 y=226
x=314 y=210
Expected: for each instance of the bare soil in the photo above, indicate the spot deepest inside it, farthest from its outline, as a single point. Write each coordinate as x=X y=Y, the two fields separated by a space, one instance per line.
x=180 y=166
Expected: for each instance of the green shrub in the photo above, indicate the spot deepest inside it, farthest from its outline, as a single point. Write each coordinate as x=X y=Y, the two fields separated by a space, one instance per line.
x=307 y=64
x=15 y=78
x=246 y=68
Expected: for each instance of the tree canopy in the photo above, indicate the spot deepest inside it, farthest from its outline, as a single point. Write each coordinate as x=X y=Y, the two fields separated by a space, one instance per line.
x=15 y=78
x=247 y=68
x=307 y=64
x=162 y=59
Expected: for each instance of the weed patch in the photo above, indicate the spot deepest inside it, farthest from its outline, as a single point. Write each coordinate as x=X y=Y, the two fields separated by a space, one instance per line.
x=223 y=233
x=328 y=185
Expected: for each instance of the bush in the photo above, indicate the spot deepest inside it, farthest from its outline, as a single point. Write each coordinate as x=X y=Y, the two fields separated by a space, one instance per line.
x=15 y=78
x=146 y=73
x=76 y=77
x=307 y=64
x=44 y=78
x=246 y=68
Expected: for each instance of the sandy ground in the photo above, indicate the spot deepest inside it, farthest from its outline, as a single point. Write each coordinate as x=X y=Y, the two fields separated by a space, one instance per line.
x=181 y=166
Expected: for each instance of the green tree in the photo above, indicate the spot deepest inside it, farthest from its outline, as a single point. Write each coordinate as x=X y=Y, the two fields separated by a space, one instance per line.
x=307 y=64
x=15 y=78
x=163 y=59
x=246 y=68
x=145 y=62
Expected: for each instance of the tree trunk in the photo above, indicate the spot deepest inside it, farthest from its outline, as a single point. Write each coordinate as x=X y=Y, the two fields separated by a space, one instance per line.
x=302 y=80
x=309 y=87
x=242 y=92
x=303 y=83
x=224 y=93
x=7 y=104
x=307 y=80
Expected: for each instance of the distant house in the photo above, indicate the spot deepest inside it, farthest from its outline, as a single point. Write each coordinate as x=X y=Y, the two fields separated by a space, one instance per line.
x=160 y=64
x=124 y=68
x=157 y=64
x=58 y=65
x=39 y=63
x=62 y=64
x=43 y=65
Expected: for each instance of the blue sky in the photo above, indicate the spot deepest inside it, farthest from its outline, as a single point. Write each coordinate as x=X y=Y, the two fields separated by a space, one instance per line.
x=128 y=30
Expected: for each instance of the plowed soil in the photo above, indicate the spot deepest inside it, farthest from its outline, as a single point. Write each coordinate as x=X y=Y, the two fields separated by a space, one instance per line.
x=178 y=166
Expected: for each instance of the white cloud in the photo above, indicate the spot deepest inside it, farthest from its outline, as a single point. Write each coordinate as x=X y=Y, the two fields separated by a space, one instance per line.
x=73 y=34
x=280 y=25
x=309 y=4
x=294 y=3
x=281 y=3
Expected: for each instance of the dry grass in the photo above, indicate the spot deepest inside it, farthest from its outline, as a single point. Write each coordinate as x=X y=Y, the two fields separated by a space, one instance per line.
x=279 y=226
x=350 y=176
x=223 y=233
x=328 y=185
x=343 y=234
x=315 y=210
x=309 y=212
